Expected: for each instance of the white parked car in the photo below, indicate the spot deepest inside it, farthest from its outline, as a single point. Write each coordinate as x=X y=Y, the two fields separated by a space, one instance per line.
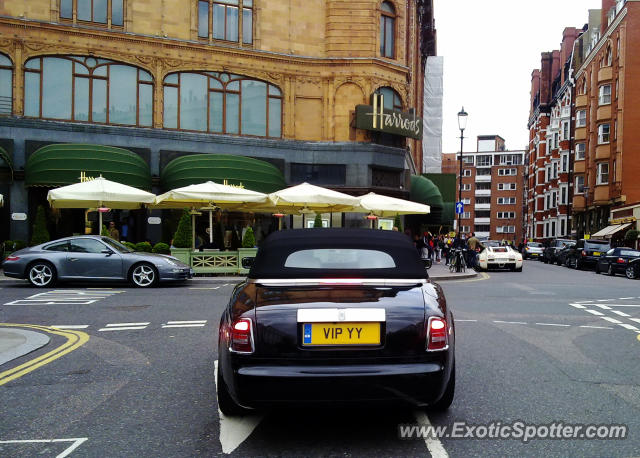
x=500 y=257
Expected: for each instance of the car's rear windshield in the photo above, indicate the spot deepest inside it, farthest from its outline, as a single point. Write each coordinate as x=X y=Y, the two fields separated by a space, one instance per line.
x=499 y=249
x=600 y=246
x=629 y=253
x=534 y=244
x=339 y=258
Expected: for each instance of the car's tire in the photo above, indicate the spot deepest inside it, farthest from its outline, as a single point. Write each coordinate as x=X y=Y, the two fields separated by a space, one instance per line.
x=226 y=404
x=519 y=269
x=143 y=275
x=610 y=270
x=597 y=268
x=631 y=273
x=447 y=398
x=42 y=274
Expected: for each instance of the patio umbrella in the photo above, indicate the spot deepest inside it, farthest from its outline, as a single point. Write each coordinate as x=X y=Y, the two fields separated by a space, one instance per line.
x=99 y=193
x=385 y=206
x=208 y=196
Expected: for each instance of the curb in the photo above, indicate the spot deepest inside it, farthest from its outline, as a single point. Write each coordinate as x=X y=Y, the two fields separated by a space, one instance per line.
x=34 y=340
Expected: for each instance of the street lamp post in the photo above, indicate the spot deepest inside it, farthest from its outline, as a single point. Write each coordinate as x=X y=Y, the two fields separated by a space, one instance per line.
x=462 y=124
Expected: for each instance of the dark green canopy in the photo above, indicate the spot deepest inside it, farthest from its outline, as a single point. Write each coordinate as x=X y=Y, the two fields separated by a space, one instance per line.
x=426 y=192
x=62 y=164
x=5 y=159
x=253 y=174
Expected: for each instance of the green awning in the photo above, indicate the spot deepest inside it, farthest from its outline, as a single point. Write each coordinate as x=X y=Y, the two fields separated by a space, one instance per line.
x=426 y=192
x=5 y=160
x=446 y=183
x=251 y=173
x=62 y=164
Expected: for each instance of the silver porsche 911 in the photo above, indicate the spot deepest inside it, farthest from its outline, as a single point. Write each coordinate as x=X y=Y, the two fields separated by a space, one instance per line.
x=85 y=258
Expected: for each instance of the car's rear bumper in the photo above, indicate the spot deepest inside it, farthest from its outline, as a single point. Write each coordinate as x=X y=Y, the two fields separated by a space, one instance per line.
x=416 y=384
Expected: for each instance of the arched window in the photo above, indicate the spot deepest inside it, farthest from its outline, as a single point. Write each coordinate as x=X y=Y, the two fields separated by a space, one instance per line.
x=608 y=57
x=391 y=99
x=6 y=85
x=387 y=30
x=88 y=89
x=222 y=103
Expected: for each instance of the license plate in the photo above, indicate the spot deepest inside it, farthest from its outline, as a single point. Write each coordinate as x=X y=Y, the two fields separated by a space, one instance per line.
x=596 y=253
x=502 y=260
x=340 y=334
x=534 y=254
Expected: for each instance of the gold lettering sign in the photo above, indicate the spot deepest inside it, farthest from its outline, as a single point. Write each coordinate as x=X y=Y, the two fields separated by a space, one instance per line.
x=226 y=183
x=84 y=178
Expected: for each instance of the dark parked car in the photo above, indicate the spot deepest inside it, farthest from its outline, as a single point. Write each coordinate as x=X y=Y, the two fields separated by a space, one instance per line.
x=336 y=316
x=617 y=260
x=550 y=253
x=561 y=254
x=92 y=258
x=586 y=253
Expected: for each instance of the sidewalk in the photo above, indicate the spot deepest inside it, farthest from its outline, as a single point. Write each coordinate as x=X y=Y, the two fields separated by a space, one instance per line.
x=15 y=342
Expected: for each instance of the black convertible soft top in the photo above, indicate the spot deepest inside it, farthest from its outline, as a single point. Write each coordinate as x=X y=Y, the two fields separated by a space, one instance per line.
x=276 y=248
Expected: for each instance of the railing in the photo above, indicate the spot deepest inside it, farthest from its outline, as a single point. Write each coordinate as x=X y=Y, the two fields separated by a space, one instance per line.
x=214 y=261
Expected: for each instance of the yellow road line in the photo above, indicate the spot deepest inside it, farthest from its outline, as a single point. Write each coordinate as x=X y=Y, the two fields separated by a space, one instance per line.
x=638 y=336
x=75 y=339
x=482 y=275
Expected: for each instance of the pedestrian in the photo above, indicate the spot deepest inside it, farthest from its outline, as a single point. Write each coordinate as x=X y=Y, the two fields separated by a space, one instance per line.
x=113 y=232
x=474 y=246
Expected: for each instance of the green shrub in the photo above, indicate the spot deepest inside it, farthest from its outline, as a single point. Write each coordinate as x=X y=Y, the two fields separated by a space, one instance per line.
x=105 y=231
x=248 y=241
x=318 y=221
x=631 y=237
x=40 y=232
x=131 y=246
x=397 y=222
x=182 y=237
x=19 y=245
x=161 y=248
x=144 y=247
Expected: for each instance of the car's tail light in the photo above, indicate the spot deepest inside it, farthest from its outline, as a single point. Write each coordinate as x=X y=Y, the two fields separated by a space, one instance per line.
x=12 y=258
x=242 y=336
x=621 y=261
x=437 y=334
x=584 y=253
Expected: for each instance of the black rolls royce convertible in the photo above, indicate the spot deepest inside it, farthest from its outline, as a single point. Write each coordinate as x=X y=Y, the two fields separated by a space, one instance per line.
x=336 y=316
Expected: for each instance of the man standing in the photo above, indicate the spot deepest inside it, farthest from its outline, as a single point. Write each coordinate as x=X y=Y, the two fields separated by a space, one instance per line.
x=113 y=232
x=474 y=244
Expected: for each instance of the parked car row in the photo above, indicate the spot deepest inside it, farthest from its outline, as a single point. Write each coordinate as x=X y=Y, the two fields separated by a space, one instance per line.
x=593 y=254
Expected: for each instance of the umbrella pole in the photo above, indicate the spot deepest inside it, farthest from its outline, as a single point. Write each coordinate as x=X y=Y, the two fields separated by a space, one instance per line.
x=99 y=222
x=193 y=232
x=210 y=226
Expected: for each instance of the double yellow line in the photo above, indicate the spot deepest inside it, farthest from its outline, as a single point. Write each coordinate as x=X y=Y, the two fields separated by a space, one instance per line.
x=75 y=339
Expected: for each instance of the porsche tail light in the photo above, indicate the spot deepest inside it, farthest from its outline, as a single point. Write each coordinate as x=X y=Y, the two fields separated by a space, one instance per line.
x=437 y=334
x=12 y=258
x=242 y=336
x=621 y=261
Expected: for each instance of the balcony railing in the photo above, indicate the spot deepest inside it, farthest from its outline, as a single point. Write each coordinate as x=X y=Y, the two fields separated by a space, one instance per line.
x=483 y=178
x=482 y=206
x=483 y=192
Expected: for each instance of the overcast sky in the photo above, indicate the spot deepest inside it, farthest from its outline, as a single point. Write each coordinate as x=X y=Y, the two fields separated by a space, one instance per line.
x=490 y=49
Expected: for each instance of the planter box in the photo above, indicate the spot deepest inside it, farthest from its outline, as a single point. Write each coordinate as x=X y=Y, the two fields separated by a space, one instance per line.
x=245 y=253
x=182 y=254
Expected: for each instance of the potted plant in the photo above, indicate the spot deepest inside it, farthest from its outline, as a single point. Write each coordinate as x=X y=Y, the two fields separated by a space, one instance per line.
x=40 y=232
x=248 y=249
x=181 y=247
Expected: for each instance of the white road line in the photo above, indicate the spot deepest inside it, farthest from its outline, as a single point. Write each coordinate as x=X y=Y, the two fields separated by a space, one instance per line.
x=217 y=287
x=77 y=441
x=70 y=326
x=596 y=327
x=603 y=307
x=123 y=328
x=186 y=322
x=435 y=447
x=583 y=302
x=594 y=312
x=625 y=298
x=509 y=322
x=605 y=300
x=578 y=306
x=623 y=305
x=611 y=320
x=628 y=326
x=637 y=320
x=466 y=320
x=554 y=324
x=183 y=325
x=127 y=324
x=620 y=313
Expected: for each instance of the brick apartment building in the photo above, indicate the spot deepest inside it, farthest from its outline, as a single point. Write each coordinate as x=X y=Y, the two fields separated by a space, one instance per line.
x=598 y=132
x=492 y=189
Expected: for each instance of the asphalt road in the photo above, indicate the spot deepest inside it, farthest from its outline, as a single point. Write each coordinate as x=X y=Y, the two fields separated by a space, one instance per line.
x=143 y=384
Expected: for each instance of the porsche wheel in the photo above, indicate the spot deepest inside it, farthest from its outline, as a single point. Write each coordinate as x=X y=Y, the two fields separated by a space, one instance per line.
x=41 y=274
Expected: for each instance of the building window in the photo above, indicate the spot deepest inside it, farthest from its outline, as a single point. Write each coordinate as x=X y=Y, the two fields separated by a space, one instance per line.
x=580 y=184
x=580 y=150
x=95 y=11
x=483 y=186
x=465 y=229
x=88 y=89
x=582 y=86
x=506 y=200
x=6 y=85
x=603 y=173
x=581 y=118
x=506 y=215
x=510 y=159
x=466 y=215
x=562 y=227
x=554 y=199
x=387 y=30
x=390 y=98
x=466 y=173
x=506 y=229
x=507 y=186
x=604 y=133
x=221 y=20
x=222 y=103
x=563 y=195
x=483 y=172
x=604 y=94
x=483 y=161
x=467 y=160
x=507 y=172
x=483 y=200
x=319 y=174
x=565 y=131
x=565 y=163
x=466 y=187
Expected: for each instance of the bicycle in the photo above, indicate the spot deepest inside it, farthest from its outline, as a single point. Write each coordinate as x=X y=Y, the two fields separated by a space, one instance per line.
x=458 y=264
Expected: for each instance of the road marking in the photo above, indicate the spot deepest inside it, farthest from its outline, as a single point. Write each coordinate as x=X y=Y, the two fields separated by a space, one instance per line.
x=620 y=313
x=64 y=297
x=77 y=441
x=596 y=327
x=623 y=305
x=509 y=322
x=216 y=287
x=554 y=324
x=594 y=312
x=603 y=307
x=466 y=320
x=434 y=445
x=611 y=320
x=75 y=339
x=183 y=325
x=70 y=326
x=578 y=306
x=123 y=328
x=583 y=302
x=625 y=298
x=637 y=320
x=638 y=336
x=605 y=300
x=187 y=322
x=234 y=430
x=127 y=324
x=628 y=326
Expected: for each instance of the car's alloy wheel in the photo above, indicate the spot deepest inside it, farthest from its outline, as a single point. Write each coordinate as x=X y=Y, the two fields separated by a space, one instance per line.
x=42 y=274
x=630 y=273
x=143 y=275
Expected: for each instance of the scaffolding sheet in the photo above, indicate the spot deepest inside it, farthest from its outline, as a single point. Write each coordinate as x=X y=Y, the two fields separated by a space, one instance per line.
x=432 y=117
